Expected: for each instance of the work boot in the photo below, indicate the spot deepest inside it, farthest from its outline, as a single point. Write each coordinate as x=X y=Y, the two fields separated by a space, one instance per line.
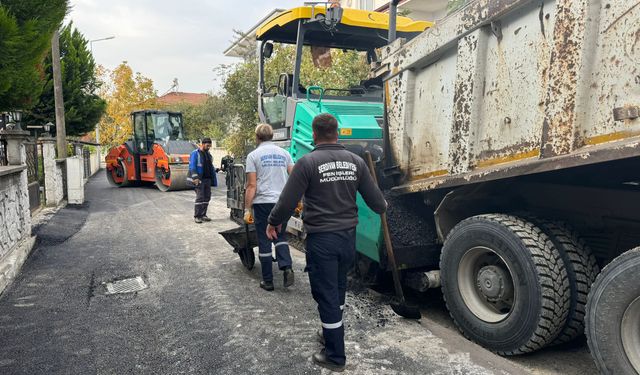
x=267 y=285
x=198 y=220
x=288 y=277
x=205 y=218
x=320 y=336
x=321 y=359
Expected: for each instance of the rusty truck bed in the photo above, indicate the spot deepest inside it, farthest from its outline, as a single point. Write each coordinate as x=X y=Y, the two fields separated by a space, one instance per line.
x=505 y=88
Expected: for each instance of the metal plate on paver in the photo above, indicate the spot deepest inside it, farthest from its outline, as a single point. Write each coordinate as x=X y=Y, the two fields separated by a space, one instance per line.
x=131 y=285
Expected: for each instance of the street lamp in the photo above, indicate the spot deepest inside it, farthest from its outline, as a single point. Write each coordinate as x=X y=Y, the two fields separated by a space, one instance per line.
x=99 y=40
x=46 y=127
x=15 y=120
x=91 y=47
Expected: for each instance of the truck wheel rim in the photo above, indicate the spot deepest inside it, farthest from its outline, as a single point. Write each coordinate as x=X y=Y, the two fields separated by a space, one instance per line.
x=486 y=284
x=630 y=329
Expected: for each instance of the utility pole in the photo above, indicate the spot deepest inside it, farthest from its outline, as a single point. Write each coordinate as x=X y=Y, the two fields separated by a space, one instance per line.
x=61 y=131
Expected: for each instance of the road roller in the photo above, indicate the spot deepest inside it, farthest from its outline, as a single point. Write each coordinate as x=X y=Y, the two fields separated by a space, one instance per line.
x=157 y=152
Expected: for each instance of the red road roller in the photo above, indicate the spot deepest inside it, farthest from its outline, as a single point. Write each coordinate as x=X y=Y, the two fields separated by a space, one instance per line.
x=157 y=153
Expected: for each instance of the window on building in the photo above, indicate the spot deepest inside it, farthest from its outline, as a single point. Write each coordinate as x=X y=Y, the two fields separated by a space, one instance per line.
x=366 y=4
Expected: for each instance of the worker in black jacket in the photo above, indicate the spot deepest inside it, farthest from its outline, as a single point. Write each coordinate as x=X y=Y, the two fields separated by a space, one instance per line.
x=329 y=178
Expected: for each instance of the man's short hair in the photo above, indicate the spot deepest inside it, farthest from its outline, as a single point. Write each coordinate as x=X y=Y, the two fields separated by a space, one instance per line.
x=325 y=127
x=264 y=132
x=206 y=140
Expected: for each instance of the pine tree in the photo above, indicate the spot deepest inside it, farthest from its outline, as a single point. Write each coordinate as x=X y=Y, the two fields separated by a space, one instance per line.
x=83 y=107
x=26 y=27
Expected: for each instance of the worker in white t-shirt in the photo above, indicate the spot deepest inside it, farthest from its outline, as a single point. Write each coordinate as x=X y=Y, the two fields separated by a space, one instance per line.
x=268 y=167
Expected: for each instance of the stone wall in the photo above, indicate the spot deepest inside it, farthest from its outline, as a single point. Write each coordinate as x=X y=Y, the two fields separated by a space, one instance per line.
x=53 y=173
x=16 y=241
x=60 y=176
x=15 y=218
x=95 y=163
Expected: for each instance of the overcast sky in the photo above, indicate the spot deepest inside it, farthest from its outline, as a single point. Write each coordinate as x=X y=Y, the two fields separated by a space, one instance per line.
x=166 y=39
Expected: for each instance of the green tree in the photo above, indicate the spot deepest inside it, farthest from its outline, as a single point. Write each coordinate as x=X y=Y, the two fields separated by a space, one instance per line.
x=347 y=69
x=83 y=107
x=209 y=119
x=455 y=5
x=240 y=96
x=241 y=81
x=26 y=27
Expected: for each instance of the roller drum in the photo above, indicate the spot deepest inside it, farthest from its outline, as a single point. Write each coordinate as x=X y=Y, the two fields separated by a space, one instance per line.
x=177 y=178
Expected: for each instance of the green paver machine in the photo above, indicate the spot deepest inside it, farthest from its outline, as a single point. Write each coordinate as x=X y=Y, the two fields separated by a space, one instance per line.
x=290 y=106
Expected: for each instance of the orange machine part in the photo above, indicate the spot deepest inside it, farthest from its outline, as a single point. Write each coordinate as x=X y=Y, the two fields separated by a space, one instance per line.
x=121 y=163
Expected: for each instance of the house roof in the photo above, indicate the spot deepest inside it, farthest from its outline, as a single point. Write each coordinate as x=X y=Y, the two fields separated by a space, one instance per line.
x=177 y=97
x=89 y=139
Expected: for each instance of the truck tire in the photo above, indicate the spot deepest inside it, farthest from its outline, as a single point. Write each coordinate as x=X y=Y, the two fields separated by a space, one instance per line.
x=504 y=283
x=582 y=270
x=613 y=316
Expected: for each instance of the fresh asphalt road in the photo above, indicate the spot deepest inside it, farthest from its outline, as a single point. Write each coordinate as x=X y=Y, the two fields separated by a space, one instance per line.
x=203 y=313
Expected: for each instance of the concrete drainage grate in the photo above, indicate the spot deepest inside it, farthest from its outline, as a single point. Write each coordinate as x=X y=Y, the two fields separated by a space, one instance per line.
x=131 y=285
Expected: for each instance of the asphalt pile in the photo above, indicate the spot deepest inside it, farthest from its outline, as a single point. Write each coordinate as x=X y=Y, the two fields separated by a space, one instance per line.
x=366 y=307
x=410 y=221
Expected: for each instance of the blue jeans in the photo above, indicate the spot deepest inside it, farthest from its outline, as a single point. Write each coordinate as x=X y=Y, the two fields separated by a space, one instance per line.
x=261 y=213
x=330 y=255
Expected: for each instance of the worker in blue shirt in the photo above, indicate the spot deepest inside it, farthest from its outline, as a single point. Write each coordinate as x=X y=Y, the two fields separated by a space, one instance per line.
x=203 y=175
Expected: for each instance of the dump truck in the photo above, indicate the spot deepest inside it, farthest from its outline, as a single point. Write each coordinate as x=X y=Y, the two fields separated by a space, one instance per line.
x=157 y=152
x=290 y=102
x=514 y=128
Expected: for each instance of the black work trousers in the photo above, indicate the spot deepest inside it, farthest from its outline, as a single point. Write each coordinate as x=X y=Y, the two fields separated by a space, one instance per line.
x=203 y=196
x=330 y=255
x=261 y=213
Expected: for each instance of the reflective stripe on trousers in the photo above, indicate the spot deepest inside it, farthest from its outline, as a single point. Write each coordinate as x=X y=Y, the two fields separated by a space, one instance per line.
x=261 y=213
x=203 y=196
x=332 y=325
x=329 y=256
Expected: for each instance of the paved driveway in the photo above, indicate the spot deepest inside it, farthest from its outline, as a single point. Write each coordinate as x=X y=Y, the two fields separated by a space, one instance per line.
x=202 y=312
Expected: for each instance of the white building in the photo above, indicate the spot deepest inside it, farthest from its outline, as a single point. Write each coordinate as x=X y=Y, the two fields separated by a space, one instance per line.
x=424 y=10
x=240 y=46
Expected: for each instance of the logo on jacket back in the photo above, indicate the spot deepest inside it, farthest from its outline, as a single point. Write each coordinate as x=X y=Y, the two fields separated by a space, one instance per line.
x=337 y=171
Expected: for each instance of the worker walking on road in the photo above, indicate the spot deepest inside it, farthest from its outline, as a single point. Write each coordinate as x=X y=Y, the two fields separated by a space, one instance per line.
x=203 y=175
x=329 y=178
x=268 y=168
